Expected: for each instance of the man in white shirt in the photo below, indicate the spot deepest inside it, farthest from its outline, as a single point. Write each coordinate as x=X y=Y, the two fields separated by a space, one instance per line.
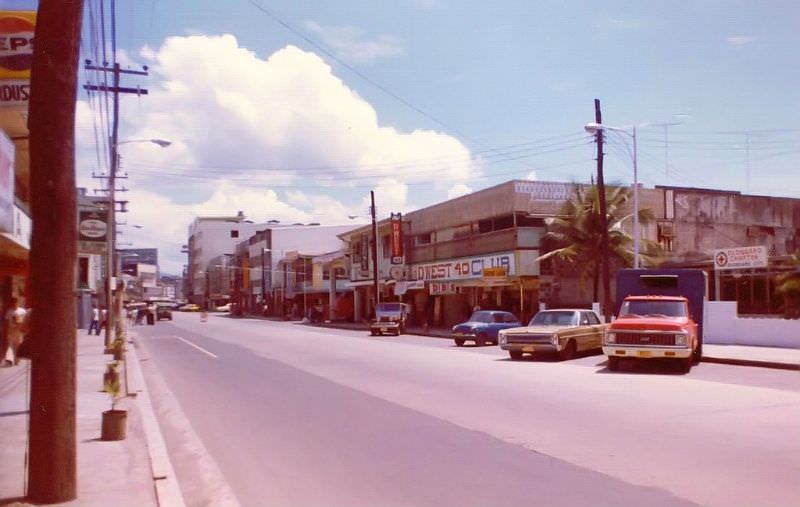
x=95 y=324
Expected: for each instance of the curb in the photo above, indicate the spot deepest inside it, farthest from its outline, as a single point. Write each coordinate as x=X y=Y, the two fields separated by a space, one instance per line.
x=165 y=482
x=751 y=362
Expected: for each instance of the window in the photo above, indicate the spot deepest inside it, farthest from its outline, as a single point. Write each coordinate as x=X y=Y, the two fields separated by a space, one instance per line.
x=590 y=319
x=234 y=233
x=386 y=246
x=83 y=271
x=423 y=239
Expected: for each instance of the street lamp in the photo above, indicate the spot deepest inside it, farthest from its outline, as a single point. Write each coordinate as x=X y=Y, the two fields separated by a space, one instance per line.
x=592 y=128
x=111 y=231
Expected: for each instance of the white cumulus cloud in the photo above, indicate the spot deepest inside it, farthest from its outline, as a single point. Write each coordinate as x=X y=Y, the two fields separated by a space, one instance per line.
x=279 y=137
x=349 y=44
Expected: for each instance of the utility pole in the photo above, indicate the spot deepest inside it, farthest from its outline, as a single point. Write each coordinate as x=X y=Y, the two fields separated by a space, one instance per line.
x=374 y=249
x=601 y=193
x=116 y=89
x=52 y=471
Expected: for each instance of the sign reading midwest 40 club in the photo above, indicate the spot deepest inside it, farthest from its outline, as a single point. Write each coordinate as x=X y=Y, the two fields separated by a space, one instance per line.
x=92 y=232
x=744 y=257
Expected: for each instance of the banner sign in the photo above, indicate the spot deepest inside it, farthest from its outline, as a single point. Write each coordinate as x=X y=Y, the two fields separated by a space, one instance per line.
x=92 y=231
x=397 y=238
x=7 y=150
x=443 y=288
x=365 y=254
x=464 y=268
x=746 y=257
x=544 y=190
x=16 y=56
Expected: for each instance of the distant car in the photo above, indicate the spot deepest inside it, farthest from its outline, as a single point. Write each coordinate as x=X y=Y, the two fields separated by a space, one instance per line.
x=563 y=331
x=191 y=307
x=390 y=317
x=224 y=308
x=164 y=311
x=483 y=326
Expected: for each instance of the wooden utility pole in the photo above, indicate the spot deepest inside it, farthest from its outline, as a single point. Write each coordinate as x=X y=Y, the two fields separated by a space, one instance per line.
x=52 y=471
x=601 y=194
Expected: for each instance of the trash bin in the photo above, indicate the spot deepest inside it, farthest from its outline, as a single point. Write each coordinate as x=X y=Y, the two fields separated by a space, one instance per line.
x=151 y=319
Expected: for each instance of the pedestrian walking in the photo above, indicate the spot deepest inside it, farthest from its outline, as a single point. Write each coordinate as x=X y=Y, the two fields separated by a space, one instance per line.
x=95 y=324
x=15 y=323
x=103 y=318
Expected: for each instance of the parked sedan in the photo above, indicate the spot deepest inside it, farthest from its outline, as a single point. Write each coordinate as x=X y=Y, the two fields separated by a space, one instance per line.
x=483 y=326
x=564 y=332
x=163 y=311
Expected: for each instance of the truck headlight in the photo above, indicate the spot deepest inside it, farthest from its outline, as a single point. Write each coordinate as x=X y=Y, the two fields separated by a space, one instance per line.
x=554 y=340
x=501 y=338
x=681 y=339
x=611 y=338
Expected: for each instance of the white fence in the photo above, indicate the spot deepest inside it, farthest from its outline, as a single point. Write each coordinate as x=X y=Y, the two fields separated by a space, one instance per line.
x=723 y=326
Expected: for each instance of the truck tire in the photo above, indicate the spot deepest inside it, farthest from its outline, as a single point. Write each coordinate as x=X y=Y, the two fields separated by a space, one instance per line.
x=515 y=355
x=613 y=363
x=686 y=364
x=459 y=342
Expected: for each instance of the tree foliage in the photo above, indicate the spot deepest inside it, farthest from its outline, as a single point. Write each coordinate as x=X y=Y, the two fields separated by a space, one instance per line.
x=789 y=287
x=577 y=233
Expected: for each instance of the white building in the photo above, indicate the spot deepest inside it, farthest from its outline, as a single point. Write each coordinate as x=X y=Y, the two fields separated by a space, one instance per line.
x=211 y=237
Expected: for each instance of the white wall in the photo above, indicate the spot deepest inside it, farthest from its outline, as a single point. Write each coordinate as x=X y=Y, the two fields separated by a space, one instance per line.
x=723 y=326
x=306 y=240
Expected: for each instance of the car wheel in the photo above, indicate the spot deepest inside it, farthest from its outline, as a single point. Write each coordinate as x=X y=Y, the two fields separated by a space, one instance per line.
x=515 y=355
x=568 y=352
x=459 y=342
x=613 y=363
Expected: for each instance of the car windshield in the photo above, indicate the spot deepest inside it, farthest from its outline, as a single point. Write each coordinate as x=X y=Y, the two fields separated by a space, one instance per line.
x=555 y=318
x=653 y=308
x=389 y=307
x=485 y=317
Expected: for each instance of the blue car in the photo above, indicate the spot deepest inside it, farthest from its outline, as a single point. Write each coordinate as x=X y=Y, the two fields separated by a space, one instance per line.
x=483 y=326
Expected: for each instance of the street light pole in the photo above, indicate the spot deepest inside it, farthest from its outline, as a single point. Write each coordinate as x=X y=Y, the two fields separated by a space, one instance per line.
x=594 y=128
x=374 y=249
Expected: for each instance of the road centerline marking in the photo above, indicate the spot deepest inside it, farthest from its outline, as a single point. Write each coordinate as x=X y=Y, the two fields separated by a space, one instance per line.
x=201 y=349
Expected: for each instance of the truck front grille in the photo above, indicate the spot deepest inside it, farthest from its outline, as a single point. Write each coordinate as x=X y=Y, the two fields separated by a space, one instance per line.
x=663 y=339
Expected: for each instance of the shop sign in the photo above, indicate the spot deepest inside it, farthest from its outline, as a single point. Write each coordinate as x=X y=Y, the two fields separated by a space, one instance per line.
x=746 y=257
x=7 y=150
x=544 y=190
x=397 y=238
x=16 y=56
x=92 y=231
x=495 y=274
x=464 y=268
x=443 y=288
x=365 y=252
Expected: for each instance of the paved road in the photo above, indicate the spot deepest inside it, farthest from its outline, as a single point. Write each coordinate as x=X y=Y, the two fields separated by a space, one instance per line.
x=296 y=415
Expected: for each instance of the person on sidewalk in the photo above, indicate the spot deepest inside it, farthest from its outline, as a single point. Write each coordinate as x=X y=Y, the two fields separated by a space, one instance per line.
x=103 y=318
x=95 y=324
x=15 y=327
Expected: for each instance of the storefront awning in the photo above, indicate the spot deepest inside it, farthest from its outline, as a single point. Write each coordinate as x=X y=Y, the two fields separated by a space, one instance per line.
x=402 y=287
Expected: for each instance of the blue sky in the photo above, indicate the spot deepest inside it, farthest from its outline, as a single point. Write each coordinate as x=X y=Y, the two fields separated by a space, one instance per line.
x=422 y=99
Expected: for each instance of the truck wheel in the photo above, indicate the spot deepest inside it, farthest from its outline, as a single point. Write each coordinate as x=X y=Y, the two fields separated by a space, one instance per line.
x=686 y=364
x=613 y=363
x=459 y=342
x=515 y=355
x=569 y=351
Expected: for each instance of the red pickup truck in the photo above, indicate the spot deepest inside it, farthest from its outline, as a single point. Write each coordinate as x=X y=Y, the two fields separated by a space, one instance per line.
x=652 y=327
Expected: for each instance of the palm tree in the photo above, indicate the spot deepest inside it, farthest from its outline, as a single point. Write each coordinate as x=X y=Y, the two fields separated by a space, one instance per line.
x=789 y=286
x=577 y=233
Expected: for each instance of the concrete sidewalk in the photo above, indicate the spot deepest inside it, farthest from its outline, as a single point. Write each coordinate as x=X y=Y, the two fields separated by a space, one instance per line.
x=119 y=473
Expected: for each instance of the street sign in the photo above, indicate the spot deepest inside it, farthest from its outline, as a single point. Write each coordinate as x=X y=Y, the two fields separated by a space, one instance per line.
x=746 y=257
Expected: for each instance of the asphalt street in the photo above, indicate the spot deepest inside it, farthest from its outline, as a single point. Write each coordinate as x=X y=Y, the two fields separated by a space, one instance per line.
x=280 y=413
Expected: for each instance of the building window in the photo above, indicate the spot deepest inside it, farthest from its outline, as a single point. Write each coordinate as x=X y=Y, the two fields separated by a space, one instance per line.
x=424 y=239
x=386 y=245
x=234 y=233
x=83 y=272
